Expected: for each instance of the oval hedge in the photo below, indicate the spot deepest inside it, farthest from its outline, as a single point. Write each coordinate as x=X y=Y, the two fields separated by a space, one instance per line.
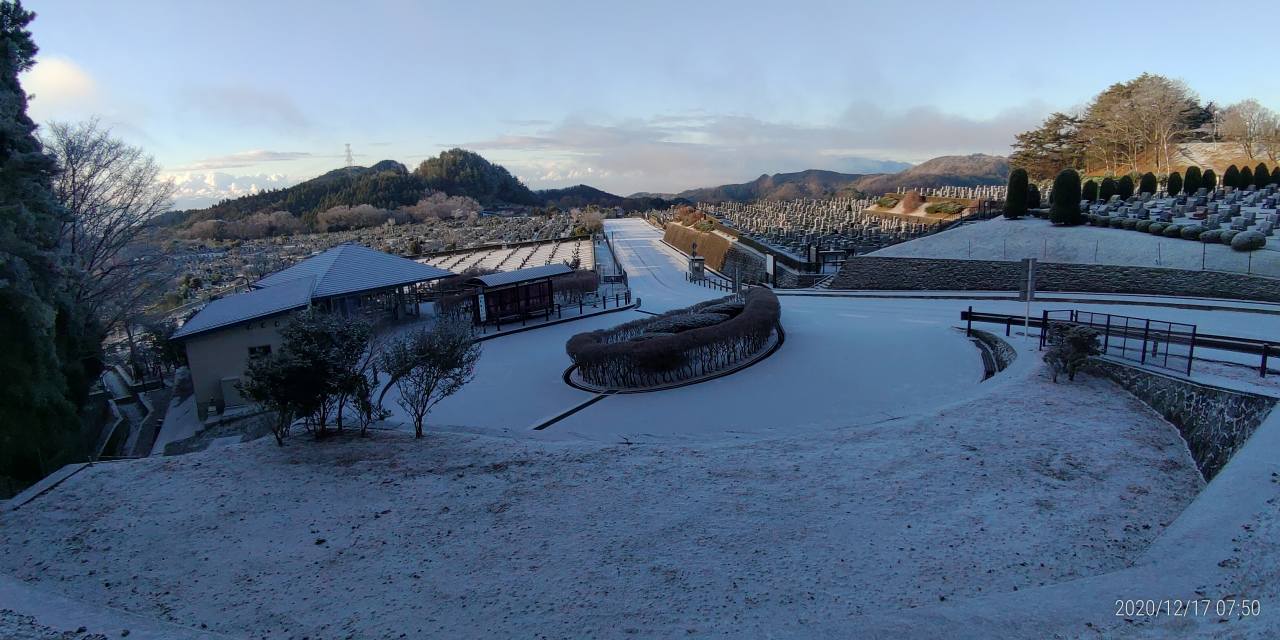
x=630 y=356
x=1248 y=241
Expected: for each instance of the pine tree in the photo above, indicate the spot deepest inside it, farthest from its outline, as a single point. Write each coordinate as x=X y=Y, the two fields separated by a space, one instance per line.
x=1124 y=188
x=1066 y=198
x=1148 y=183
x=1015 y=203
x=1231 y=177
x=1173 y=184
x=1108 y=189
x=1090 y=191
x=44 y=341
x=1245 y=179
x=1192 y=182
x=1209 y=180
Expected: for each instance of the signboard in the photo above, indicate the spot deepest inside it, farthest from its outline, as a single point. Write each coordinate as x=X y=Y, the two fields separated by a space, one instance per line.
x=484 y=315
x=697 y=266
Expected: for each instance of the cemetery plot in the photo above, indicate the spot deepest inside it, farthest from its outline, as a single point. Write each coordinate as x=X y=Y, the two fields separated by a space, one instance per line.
x=518 y=256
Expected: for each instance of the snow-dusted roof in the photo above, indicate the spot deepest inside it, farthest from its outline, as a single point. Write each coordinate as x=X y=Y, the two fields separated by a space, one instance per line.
x=246 y=306
x=522 y=275
x=349 y=268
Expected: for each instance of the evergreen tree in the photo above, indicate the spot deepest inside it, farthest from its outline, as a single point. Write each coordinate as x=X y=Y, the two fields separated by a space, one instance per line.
x=1245 y=179
x=1015 y=203
x=1124 y=188
x=1192 y=182
x=1231 y=177
x=1090 y=191
x=1173 y=185
x=1209 y=180
x=1261 y=176
x=44 y=342
x=1148 y=183
x=1033 y=196
x=1108 y=189
x=1066 y=198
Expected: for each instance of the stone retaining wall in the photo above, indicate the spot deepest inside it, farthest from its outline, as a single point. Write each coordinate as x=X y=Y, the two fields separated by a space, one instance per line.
x=882 y=273
x=1214 y=421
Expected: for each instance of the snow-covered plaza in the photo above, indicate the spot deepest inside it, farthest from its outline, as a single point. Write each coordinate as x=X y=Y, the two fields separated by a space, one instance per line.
x=862 y=480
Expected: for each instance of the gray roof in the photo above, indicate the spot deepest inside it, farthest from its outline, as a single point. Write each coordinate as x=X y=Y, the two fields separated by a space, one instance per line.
x=522 y=275
x=242 y=307
x=350 y=268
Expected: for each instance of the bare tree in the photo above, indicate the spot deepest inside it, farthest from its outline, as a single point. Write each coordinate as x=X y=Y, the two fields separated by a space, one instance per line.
x=1245 y=123
x=112 y=190
x=429 y=365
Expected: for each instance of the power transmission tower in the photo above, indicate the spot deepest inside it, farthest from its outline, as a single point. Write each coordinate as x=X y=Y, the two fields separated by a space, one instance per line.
x=350 y=161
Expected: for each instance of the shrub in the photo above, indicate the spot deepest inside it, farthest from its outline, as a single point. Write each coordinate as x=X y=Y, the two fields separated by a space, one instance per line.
x=1261 y=176
x=1131 y=223
x=1066 y=198
x=730 y=308
x=945 y=208
x=1248 y=241
x=1015 y=203
x=1156 y=228
x=1227 y=235
x=1192 y=232
x=1191 y=183
x=889 y=201
x=1033 y=196
x=1124 y=187
x=911 y=201
x=1172 y=231
x=1231 y=177
x=1117 y=223
x=1211 y=235
x=1143 y=226
x=1208 y=180
x=684 y=322
x=1245 y=179
x=1107 y=189
x=1070 y=347
x=1147 y=183
x=1173 y=184
x=1090 y=191
x=609 y=358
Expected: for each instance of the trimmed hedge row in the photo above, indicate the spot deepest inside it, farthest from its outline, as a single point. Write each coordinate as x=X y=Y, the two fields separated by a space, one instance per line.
x=1249 y=240
x=661 y=350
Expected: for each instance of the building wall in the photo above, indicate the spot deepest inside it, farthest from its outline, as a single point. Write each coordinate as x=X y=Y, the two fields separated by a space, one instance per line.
x=223 y=355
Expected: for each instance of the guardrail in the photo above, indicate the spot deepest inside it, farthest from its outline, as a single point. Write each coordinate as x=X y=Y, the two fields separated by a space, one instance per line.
x=1151 y=341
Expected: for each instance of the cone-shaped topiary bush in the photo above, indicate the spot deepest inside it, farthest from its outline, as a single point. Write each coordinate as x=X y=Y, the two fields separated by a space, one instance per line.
x=1066 y=198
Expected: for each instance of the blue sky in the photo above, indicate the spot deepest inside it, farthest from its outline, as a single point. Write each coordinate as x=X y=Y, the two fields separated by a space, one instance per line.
x=645 y=96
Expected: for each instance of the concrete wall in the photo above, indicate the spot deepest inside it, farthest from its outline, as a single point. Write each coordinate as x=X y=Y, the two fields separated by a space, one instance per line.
x=217 y=359
x=881 y=273
x=1214 y=421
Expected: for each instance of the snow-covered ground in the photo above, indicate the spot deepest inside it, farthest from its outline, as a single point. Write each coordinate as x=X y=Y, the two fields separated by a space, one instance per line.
x=1001 y=239
x=464 y=535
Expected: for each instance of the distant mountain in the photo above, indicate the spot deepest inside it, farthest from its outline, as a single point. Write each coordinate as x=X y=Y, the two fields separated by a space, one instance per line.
x=813 y=183
x=864 y=166
x=960 y=171
x=945 y=171
x=459 y=172
x=386 y=184
x=584 y=196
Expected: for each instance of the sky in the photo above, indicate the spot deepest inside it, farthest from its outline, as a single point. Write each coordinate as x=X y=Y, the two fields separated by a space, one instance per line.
x=651 y=96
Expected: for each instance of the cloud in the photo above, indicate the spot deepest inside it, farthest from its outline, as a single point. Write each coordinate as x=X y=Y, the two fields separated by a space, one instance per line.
x=60 y=89
x=244 y=159
x=672 y=152
x=245 y=106
x=201 y=189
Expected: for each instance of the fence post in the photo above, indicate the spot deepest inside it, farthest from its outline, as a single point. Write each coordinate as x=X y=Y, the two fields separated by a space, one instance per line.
x=1008 y=326
x=1265 y=348
x=1146 y=333
x=1044 y=326
x=968 y=327
x=1106 y=336
x=1191 y=351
